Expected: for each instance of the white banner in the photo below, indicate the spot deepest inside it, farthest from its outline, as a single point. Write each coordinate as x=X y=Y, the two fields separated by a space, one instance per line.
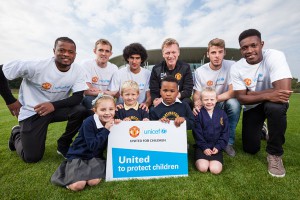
x=144 y=150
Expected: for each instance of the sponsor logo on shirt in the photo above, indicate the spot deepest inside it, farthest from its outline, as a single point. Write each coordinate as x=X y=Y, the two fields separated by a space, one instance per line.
x=46 y=86
x=178 y=76
x=209 y=83
x=95 y=79
x=247 y=81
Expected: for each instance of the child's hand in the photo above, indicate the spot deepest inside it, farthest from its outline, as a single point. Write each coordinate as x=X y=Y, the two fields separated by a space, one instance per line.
x=178 y=121
x=165 y=120
x=215 y=150
x=146 y=119
x=127 y=119
x=207 y=152
x=117 y=121
x=109 y=124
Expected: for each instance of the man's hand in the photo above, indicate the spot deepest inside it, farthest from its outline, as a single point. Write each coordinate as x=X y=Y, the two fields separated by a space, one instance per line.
x=14 y=108
x=43 y=109
x=157 y=101
x=144 y=106
x=280 y=96
x=119 y=106
x=197 y=107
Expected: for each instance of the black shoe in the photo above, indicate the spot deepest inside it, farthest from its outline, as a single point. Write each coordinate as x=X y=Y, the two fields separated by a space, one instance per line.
x=11 y=142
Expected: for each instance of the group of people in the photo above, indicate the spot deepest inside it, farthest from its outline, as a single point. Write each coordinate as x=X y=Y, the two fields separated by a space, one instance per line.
x=56 y=89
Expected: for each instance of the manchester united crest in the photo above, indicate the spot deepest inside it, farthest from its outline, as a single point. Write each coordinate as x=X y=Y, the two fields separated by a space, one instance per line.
x=178 y=76
x=221 y=121
x=95 y=79
x=134 y=131
x=209 y=83
x=46 y=86
x=247 y=81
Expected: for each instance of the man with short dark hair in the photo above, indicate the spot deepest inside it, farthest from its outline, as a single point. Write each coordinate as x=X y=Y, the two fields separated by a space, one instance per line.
x=45 y=98
x=216 y=74
x=262 y=83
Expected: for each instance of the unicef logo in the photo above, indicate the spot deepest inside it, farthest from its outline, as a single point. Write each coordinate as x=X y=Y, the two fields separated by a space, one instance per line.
x=156 y=131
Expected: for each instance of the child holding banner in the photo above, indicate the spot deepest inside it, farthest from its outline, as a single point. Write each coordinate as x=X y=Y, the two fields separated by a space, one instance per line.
x=85 y=164
x=130 y=110
x=171 y=108
x=211 y=134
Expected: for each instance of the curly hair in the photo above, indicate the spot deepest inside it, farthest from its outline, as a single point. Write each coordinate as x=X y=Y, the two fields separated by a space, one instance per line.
x=135 y=48
x=248 y=33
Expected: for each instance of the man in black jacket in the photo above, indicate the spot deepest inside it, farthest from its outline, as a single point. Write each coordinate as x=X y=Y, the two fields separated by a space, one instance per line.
x=171 y=66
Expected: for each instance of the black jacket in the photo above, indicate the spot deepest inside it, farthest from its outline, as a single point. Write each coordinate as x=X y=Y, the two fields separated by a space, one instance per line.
x=182 y=73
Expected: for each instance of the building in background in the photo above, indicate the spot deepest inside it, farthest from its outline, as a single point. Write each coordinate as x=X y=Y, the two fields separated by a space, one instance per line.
x=195 y=56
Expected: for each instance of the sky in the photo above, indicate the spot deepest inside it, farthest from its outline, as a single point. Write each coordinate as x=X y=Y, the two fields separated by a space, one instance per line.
x=29 y=28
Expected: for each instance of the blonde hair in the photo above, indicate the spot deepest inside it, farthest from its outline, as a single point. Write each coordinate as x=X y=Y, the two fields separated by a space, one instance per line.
x=100 y=98
x=130 y=85
x=208 y=90
x=168 y=42
x=104 y=42
x=216 y=42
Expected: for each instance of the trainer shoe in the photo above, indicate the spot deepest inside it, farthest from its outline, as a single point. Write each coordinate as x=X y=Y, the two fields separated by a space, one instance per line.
x=229 y=150
x=275 y=166
x=265 y=132
x=11 y=142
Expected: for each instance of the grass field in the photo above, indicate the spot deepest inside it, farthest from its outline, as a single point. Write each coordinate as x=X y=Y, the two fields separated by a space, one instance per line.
x=244 y=176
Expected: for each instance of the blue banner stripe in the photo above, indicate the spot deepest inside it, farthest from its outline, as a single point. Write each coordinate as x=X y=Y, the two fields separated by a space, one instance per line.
x=144 y=163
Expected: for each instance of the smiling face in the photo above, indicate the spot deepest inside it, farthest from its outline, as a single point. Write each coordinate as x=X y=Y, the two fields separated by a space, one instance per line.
x=64 y=55
x=169 y=92
x=215 y=55
x=130 y=96
x=171 y=54
x=251 y=49
x=105 y=110
x=209 y=100
x=103 y=53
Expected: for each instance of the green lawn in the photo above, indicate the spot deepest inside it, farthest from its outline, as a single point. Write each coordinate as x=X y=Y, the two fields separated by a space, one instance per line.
x=244 y=176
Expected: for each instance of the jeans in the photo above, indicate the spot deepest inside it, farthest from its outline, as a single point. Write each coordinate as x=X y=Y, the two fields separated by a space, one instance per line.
x=87 y=101
x=253 y=121
x=233 y=109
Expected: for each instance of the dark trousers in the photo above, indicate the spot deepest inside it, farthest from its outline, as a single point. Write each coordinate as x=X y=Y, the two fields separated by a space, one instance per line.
x=30 y=143
x=253 y=120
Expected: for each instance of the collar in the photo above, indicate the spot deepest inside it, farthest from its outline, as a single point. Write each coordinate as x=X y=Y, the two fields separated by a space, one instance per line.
x=136 y=107
x=97 y=120
x=176 y=101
